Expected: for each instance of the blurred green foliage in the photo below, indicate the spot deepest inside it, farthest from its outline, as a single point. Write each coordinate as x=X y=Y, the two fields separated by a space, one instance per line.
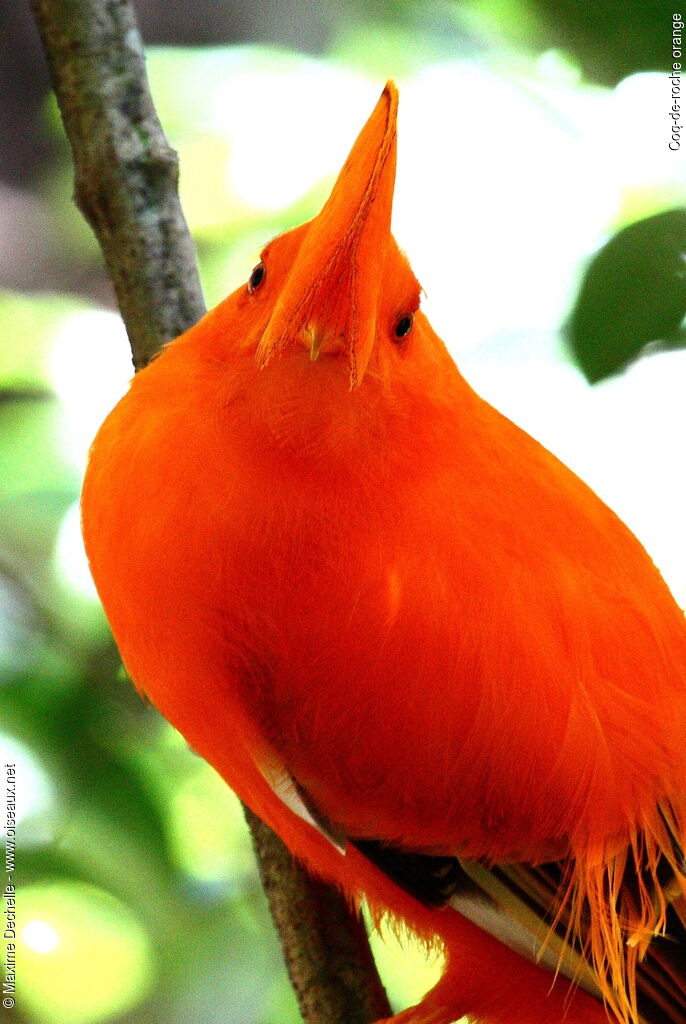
x=633 y=294
x=140 y=901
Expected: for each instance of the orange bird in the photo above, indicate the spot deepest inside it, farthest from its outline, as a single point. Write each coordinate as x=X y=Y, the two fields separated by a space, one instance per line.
x=415 y=643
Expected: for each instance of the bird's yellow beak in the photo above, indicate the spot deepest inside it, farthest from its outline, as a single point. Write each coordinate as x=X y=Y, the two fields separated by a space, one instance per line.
x=329 y=300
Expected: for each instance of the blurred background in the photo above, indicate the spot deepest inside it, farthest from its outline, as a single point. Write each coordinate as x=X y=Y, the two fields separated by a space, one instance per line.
x=543 y=212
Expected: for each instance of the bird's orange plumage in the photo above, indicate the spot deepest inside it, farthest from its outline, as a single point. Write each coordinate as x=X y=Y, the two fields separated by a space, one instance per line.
x=327 y=560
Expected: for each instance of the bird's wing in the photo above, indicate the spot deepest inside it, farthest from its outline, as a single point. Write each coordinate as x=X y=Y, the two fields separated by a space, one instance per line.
x=533 y=910
x=560 y=940
x=524 y=907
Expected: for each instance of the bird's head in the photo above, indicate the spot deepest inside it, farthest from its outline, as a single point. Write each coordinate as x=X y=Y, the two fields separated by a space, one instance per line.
x=338 y=290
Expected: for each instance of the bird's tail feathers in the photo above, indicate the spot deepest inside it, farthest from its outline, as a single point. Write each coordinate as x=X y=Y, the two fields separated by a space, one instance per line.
x=618 y=926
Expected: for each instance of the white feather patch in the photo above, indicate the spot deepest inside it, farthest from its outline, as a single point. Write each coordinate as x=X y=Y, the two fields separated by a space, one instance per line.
x=520 y=929
x=284 y=787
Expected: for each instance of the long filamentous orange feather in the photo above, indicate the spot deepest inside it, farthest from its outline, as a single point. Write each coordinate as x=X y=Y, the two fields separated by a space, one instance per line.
x=407 y=636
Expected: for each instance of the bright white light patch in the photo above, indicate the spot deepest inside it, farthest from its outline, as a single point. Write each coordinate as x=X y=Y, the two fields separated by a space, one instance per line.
x=556 y=67
x=70 y=555
x=33 y=793
x=40 y=936
x=642 y=158
x=470 y=254
x=275 y=163
x=90 y=370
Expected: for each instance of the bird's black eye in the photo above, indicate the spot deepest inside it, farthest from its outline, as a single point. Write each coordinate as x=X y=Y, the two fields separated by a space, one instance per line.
x=403 y=325
x=257 y=277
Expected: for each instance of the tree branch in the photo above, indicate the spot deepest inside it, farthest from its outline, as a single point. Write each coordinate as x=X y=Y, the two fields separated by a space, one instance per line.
x=126 y=172
x=126 y=176
x=321 y=939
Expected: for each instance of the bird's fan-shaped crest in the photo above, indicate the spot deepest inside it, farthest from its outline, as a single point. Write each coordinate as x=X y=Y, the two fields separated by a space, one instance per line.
x=333 y=286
